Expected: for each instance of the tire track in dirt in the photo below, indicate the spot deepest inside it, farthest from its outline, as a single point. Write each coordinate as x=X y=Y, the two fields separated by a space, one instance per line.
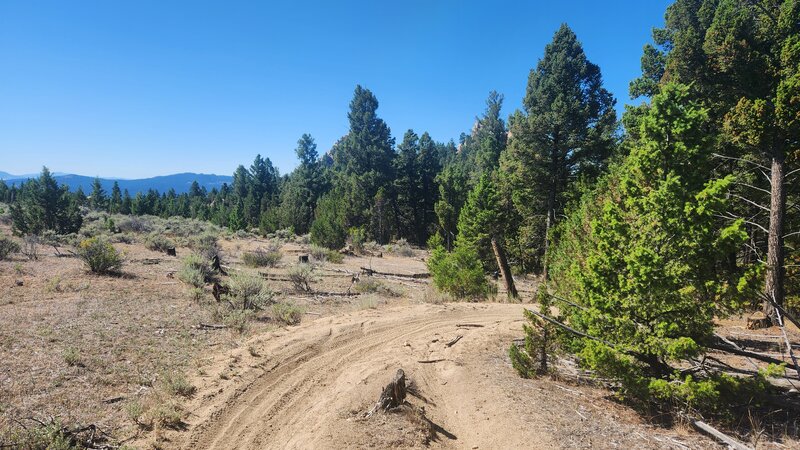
x=309 y=375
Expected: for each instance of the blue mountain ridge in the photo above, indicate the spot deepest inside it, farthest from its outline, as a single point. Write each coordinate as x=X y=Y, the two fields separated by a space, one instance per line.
x=179 y=181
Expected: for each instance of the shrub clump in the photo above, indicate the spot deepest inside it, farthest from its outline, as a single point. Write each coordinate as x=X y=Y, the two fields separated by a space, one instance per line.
x=458 y=273
x=100 y=256
x=7 y=247
x=249 y=292
x=301 y=276
x=158 y=242
x=320 y=253
x=175 y=383
x=195 y=271
x=206 y=246
x=370 y=285
x=262 y=258
x=288 y=312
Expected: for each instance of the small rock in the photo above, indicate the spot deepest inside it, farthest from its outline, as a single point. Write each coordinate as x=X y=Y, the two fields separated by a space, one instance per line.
x=407 y=344
x=19 y=282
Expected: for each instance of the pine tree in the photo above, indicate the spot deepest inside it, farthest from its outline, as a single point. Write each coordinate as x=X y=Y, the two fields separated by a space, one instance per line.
x=98 y=199
x=566 y=132
x=407 y=186
x=641 y=252
x=304 y=187
x=429 y=167
x=115 y=204
x=363 y=162
x=44 y=205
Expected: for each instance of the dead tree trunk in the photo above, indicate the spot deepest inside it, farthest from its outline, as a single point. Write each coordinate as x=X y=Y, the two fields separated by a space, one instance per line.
x=502 y=263
x=773 y=286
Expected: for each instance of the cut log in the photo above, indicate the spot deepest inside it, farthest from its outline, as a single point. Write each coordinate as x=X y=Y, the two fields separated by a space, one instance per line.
x=505 y=270
x=393 y=395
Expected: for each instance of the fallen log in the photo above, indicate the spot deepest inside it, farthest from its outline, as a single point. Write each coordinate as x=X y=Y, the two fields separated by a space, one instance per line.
x=369 y=272
x=431 y=361
x=211 y=326
x=469 y=325
x=719 y=436
x=741 y=352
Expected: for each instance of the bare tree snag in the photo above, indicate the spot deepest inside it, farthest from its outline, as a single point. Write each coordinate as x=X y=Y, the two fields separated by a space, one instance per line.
x=773 y=286
x=393 y=395
x=502 y=263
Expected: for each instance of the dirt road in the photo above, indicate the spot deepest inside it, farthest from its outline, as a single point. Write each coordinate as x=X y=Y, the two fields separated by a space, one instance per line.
x=309 y=386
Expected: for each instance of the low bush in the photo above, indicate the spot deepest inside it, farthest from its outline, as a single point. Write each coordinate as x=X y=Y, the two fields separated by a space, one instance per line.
x=401 y=248
x=249 y=292
x=301 y=276
x=134 y=224
x=195 y=271
x=370 y=285
x=458 y=273
x=7 y=247
x=175 y=383
x=158 y=242
x=356 y=238
x=206 y=245
x=100 y=256
x=320 y=253
x=288 y=313
x=262 y=258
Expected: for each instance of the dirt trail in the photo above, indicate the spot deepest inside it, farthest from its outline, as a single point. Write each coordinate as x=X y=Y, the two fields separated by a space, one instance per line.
x=308 y=386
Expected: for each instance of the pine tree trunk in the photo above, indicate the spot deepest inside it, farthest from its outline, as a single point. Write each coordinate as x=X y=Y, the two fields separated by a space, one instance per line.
x=773 y=287
x=505 y=270
x=551 y=203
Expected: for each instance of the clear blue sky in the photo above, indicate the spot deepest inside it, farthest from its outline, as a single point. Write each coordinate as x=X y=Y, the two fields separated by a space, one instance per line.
x=142 y=88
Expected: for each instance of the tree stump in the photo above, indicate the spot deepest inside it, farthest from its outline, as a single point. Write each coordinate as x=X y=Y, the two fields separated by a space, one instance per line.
x=303 y=259
x=393 y=395
x=758 y=321
x=171 y=252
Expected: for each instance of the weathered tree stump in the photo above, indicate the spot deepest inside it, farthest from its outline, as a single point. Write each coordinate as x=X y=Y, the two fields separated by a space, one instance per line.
x=218 y=290
x=303 y=259
x=393 y=395
x=758 y=321
x=215 y=264
x=171 y=251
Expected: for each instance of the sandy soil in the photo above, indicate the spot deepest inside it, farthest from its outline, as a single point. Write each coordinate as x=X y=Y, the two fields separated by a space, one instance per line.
x=310 y=387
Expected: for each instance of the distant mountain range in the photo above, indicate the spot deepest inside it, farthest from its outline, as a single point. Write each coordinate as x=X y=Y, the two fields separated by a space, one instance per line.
x=179 y=181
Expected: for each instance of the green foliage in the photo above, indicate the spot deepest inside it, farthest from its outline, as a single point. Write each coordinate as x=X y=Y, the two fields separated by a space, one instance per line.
x=43 y=205
x=458 y=273
x=195 y=271
x=7 y=247
x=100 y=256
x=642 y=251
x=328 y=228
x=301 y=192
x=541 y=341
x=566 y=133
x=480 y=219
